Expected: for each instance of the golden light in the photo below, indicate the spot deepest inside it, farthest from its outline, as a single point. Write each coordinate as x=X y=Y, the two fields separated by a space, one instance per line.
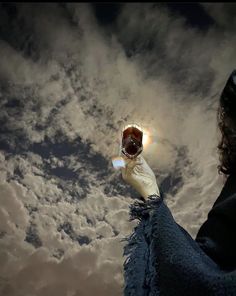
x=146 y=138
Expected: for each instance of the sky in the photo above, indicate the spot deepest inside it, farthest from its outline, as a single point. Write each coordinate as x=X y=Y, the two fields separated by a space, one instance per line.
x=71 y=75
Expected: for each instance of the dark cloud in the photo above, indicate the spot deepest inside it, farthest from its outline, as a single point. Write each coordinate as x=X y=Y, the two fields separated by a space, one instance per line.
x=223 y=14
x=68 y=229
x=194 y=13
x=106 y=13
x=32 y=236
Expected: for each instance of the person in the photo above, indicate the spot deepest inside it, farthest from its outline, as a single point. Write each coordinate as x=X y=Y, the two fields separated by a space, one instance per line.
x=162 y=258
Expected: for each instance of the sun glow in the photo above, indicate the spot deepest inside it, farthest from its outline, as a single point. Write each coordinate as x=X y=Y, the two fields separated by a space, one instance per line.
x=146 y=138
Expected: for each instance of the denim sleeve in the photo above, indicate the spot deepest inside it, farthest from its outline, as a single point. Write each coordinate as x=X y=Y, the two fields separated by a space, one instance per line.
x=163 y=259
x=139 y=270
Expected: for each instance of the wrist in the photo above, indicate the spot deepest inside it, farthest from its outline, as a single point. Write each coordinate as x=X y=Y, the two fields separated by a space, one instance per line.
x=154 y=191
x=153 y=197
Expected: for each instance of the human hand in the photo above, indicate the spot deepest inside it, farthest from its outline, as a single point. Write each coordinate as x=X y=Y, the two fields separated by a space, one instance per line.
x=140 y=176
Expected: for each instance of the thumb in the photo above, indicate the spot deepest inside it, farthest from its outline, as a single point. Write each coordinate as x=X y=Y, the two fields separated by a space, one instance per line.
x=128 y=167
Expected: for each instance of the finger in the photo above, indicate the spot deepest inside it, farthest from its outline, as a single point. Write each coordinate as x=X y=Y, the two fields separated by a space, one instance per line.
x=126 y=159
x=123 y=172
x=131 y=163
x=139 y=159
x=136 y=161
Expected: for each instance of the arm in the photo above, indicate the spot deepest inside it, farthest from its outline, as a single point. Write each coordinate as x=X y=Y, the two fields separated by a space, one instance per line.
x=183 y=268
x=166 y=260
x=163 y=259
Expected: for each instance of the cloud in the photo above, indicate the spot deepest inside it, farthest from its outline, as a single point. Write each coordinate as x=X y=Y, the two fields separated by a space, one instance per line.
x=222 y=14
x=67 y=86
x=27 y=265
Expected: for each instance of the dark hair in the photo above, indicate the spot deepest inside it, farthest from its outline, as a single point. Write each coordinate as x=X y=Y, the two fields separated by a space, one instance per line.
x=227 y=124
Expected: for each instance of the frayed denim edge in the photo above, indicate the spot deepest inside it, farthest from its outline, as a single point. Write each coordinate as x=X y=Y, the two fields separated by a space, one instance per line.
x=140 y=272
